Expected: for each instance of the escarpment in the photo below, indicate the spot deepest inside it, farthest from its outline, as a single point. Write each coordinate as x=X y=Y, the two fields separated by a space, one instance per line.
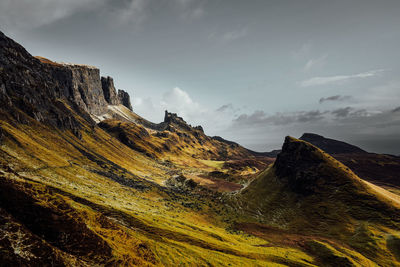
x=124 y=99
x=42 y=89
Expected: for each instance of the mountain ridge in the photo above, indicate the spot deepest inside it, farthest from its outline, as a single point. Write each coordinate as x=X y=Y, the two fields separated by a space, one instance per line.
x=88 y=182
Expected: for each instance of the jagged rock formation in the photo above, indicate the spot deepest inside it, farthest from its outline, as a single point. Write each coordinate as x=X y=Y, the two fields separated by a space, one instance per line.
x=36 y=86
x=330 y=146
x=110 y=94
x=124 y=99
x=85 y=84
x=32 y=90
x=170 y=118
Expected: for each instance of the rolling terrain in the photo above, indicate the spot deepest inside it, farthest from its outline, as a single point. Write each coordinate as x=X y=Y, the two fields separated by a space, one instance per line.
x=84 y=181
x=379 y=169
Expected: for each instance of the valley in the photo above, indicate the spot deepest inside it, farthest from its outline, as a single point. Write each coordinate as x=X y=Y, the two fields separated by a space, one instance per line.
x=85 y=181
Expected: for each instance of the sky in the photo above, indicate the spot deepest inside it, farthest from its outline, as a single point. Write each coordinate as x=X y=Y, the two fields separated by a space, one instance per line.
x=249 y=71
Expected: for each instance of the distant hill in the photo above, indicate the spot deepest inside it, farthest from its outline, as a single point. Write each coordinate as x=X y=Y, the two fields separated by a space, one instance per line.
x=310 y=193
x=330 y=146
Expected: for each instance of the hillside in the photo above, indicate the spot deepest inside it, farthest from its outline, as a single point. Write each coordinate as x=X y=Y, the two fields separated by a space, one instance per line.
x=85 y=181
x=331 y=146
x=379 y=169
x=74 y=195
x=322 y=206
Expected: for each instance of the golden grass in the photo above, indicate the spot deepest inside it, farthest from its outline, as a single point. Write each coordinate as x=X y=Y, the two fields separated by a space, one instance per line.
x=142 y=227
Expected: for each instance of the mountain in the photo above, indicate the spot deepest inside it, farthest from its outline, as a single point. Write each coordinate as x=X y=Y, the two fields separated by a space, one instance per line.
x=72 y=194
x=380 y=169
x=313 y=201
x=330 y=146
x=85 y=181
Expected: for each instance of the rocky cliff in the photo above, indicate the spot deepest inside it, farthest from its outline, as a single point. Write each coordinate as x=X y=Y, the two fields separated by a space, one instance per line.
x=124 y=99
x=110 y=94
x=30 y=89
x=42 y=89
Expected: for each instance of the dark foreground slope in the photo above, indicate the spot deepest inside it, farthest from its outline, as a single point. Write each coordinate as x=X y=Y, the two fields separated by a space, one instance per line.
x=322 y=206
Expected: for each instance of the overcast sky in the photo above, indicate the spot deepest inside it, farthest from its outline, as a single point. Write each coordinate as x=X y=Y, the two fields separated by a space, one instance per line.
x=250 y=71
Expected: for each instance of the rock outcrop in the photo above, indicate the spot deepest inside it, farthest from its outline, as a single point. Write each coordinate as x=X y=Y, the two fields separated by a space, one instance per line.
x=30 y=89
x=124 y=99
x=173 y=118
x=87 y=88
x=39 y=88
x=297 y=166
x=110 y=94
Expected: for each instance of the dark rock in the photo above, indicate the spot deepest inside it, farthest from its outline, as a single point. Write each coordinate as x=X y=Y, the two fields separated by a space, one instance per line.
x=110 y=94
x=85 y=87
x=296 y=166
x=124 y=99
x=2 y=135
x=173 y=118
x=199 y=128
x=180 y=182
x=190 y=184
x=42 y=91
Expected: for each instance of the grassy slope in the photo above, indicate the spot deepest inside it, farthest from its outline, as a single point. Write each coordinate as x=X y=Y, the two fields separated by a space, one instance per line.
x=345 y=213
x=189 y=151
x=109 y=188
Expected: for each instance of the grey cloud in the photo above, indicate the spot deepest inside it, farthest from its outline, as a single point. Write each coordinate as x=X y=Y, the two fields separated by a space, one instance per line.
x=315 y=81
x=348 y=112
x=260 y=117
x=361 y=127
x=310 y=116
x=342 y=112
x=334 y=98
x=396 y=109
x=225 y=107
x=26 y=14
x=22 y=15
x=234 y=35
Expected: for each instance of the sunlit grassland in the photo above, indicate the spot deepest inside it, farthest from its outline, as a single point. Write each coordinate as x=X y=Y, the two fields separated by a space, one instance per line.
x=143 y=226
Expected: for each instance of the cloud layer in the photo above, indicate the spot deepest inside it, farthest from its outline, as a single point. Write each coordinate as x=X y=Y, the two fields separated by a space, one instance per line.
x=316 y=81
x=334 y=98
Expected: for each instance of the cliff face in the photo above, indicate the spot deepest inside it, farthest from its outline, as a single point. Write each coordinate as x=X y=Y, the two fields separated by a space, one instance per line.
x=87 y=88
x=110 y=94
x=40 y=88
x=124 y=99
x=80 y=84
x=29 y=88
